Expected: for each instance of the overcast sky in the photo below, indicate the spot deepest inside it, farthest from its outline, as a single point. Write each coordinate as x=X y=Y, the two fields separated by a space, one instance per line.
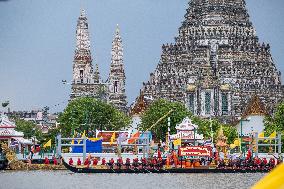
x=37 y=42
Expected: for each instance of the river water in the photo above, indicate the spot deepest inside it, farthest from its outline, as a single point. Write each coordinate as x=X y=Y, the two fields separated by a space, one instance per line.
x=68 y=180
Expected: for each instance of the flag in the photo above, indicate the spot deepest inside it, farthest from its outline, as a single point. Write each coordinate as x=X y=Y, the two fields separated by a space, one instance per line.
x=134 y=137
x=177 y=142
x=48 y=144
x=237 y=142
x=84 y=134
x=272 y=136
x=112 y=138
x=261 y=135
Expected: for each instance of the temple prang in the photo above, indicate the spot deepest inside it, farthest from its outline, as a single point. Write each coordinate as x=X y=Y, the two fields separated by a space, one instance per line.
x=87 y=82
x=217 y=63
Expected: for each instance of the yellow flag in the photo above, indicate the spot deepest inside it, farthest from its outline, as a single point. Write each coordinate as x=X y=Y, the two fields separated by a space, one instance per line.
x=48 y=144
x=177 y=142
x=273 y=135
x=112 y=138
x=84 y=134
x=261 y=135
x=237 y=142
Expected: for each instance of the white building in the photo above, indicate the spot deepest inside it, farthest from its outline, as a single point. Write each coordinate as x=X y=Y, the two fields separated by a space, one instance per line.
x=252 y=120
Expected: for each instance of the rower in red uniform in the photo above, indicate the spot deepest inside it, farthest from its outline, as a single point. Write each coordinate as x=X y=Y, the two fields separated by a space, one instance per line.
x=272 y=162
x=257 y=162
x=144 y=163
x=154 y=161
x=111 y=162
x=86 y=162
x=119 y=162
x=46 y=161
x=264 y=161
x=70 y=161
x=79 y=161
x=127 y=163
x=54 y=161
x=135 y=162
x=95 y=162
x=159 y=154
x=103 y=161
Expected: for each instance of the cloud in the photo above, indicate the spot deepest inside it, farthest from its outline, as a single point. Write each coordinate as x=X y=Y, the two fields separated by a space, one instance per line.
x=4 y=0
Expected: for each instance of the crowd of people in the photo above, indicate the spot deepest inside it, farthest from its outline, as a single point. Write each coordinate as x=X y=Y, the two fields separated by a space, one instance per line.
x=173 y=160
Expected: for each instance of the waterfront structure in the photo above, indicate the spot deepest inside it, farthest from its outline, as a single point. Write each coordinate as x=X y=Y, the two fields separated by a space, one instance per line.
x=252 y=119
x=187 y=131
x=8 y=133
x=86 y=81
x=217 y=63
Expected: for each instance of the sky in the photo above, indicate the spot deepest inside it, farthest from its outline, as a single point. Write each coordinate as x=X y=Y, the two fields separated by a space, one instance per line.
x=37 y=42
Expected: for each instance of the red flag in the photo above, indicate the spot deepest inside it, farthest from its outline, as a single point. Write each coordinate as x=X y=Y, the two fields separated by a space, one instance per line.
x=133 y=137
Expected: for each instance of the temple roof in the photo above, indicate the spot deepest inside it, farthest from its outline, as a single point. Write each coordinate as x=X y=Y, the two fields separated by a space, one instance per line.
x=6 y=123
x=255 y=107
x=140 y=105
x=186 y=125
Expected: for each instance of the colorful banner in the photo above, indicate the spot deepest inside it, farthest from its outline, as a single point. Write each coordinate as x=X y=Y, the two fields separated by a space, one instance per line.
x=195 y=151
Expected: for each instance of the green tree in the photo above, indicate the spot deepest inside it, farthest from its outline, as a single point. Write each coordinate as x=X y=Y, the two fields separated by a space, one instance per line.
x=88 y=114
x=157 y=110
x=275 y=122
x=29 y=129
x=160 y=107
x=204 y=128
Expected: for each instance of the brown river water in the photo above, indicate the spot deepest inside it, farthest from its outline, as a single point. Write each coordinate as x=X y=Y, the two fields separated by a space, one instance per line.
x=68 y=180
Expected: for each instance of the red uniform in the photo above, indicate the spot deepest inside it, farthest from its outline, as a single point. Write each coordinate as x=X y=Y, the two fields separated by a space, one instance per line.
x=79 y=161
x=120 y=161
x=248 y=155
x=257 y=161
x=95 y=162
x=111 y=161
x=54 y=161
x=272 y=162
x=127 y=161
x=86 y=162
x=103 y=161
x=46 y=161
x=264 y=161
x=159 y=154
x=70 y=161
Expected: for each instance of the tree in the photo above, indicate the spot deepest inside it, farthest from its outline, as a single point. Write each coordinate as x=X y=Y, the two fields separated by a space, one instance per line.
x=88 y=114
x=157 y=110
x=29 y=129
x=204 y=128
x=275 y=122
x=160 y=107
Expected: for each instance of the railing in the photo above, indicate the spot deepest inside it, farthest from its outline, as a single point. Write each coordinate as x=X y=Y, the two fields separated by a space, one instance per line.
x=60 y=145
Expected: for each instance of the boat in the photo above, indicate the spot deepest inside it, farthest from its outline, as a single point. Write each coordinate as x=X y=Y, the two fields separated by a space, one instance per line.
x=75 y=169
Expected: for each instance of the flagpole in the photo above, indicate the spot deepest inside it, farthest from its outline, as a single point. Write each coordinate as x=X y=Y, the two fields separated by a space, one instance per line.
x=211 y=129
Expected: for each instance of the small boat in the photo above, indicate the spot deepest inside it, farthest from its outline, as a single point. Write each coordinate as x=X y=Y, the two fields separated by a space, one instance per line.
x=153 y=170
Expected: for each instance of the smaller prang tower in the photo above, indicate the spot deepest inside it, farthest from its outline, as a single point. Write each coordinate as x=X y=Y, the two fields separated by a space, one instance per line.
x=85 y=81
x=117 y=77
